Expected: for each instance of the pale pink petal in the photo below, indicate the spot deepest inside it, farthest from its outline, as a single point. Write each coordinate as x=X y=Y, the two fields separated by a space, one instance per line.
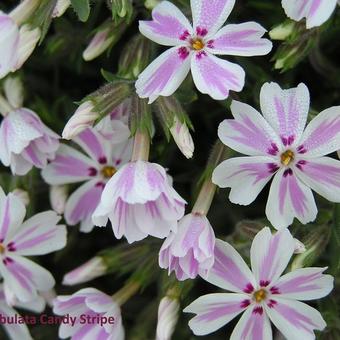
x=304 y=284
x=315 y=11
x=34 y=156
x=38 y=235
x=210 y=15
x=93 y=143
x=246 y=176
x=213 y=311
x=294 y=319
x=229 y=271
x=24 y=277
x=285 y=110
x=215 y=76
x=69 y=166
x=12 y=214
x=288 y=198
x=322 y=134
x=168 y=27
x=82 y=203
x=241 y=39
x=270 y=254
x=253 y=325
x=322 y=175
x=249 y=133
x=165 y=74
x=19 y=165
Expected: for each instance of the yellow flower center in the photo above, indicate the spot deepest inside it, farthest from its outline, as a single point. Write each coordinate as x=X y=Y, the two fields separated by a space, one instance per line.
x=2 y=248
x=287 y=157
x=260 y=295
x=197 y=44
x=108 y=171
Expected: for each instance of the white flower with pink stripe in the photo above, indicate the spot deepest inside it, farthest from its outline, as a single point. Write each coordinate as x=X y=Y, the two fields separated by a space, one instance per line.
x=316 y=12
x=195 y=46
x=189 y=251
x=39 y=235
x=90 y=303
x=280 y=146
x=102 y=161
x=263 y=295
x=140 y=201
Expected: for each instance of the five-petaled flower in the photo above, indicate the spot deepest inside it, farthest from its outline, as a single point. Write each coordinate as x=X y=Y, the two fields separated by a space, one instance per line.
x=262 y=294
x=39 y=235
x=72 y=166
x=316 y=12
x=280 y=147
x=195 y=47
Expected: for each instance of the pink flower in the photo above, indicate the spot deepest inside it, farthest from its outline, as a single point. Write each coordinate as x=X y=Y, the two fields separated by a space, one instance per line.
x=316 y=12
x=38 y=235
x=189 y=251
x=195 y=47
x=95 y=169
x=90 y=303
x=263 y=294
x=25 y=141
x=167 y=317
x=139 y=201
x=280 y=147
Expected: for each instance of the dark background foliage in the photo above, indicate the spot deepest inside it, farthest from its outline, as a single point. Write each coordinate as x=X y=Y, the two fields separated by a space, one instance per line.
x=56 y=78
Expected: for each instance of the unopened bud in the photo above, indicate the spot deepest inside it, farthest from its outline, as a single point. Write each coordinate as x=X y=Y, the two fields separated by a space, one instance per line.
x=83 y=118
x=299 y=247
x=60 y=8
x=24 y=10
x=86 y=272
x=182 y=138
x=338 y=152
x=282 y=31
x=151 y=4
x=14 y=92
x=22 y=195
x=167 y=318
x=122 y=9
x=58 y=198
x=27 y=42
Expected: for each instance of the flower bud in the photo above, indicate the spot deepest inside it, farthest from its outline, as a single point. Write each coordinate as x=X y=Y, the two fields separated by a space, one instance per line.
x=86 y=272
x=282 y=31
x=299 y=247
x=24 y=10
x=58 y=198
x=14 y=92
x=83 y=118
x=60 y=8
x=167 y=318
x=182 y=138
x=122 y=9
x=151 y=4
x=27 y=42
x=22 y=195
x=338 y=154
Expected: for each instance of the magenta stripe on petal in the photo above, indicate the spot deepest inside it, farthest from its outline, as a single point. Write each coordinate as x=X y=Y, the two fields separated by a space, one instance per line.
x=91 y=141
x=218 y=310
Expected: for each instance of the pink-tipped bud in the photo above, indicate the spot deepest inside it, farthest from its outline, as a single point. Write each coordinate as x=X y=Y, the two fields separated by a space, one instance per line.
x=14 y=92
x=167 y=318
x=182 y=138
x=299 y=247
x=60 y=8
x=58 y=198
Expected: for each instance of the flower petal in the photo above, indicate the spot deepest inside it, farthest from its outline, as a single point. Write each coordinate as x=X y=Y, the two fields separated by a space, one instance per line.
x=164 y=75
x=289 y=198
x=69 y=166
x=82 y=203
x=215 y=76
x=210 y=15
x=168 y=27
x=322 y=134
x=305 y=284
x=246 y=176
x=294 y=319
x=285 y=110
x=315 y=11
x=214 y=311
x=241 y=40
x=39 y=235
x=229 y=271
x=270 y=254
x=248 y=133
x=253 y=325
x=323 y=176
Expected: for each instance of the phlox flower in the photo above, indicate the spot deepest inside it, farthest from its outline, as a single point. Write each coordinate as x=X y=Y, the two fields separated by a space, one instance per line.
x=316 y=12
x=140 y=201
x=189 y=251
x=263 y=294
x=102 y=161
x=39 y=235
x=195 y=46
x=281 y=147
x=89 y=302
